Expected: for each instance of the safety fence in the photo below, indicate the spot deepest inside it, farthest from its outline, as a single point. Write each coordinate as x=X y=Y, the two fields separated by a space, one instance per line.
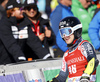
x=34 y=71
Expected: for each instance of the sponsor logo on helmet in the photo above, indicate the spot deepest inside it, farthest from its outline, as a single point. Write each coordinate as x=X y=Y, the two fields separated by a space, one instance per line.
x=62 y=23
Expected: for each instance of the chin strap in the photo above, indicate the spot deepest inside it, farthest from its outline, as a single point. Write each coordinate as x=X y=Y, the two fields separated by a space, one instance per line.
x=74 y=41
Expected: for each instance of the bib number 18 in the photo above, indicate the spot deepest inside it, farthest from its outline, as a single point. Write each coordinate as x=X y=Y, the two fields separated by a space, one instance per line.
x=72 y=69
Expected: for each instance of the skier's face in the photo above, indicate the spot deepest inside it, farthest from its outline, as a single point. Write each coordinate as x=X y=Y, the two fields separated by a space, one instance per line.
x=85 y=3
x=69 y=39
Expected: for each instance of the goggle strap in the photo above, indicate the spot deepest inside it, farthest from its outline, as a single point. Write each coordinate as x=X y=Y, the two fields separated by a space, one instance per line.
x=77 y=27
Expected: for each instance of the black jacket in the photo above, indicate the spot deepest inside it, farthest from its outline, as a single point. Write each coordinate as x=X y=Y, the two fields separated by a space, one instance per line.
x=12 y=46
x=2 y=12
x=9 y=48
x=47 y=41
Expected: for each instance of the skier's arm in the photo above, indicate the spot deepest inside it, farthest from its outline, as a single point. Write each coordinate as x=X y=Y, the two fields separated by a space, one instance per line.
x=92 y=61
x=63 y=73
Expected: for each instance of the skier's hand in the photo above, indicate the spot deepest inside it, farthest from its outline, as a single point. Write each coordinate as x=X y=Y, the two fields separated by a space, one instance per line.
x=85 y=78
x=53 y=80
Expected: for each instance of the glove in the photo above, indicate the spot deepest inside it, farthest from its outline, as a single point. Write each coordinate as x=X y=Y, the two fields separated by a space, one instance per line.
x=47 y=56
x=53 y=80
x=85 y=78
x=21 y=59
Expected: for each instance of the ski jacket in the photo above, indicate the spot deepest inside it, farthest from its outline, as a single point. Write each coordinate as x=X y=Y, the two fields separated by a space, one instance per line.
x=75 y=60
x=10 y=51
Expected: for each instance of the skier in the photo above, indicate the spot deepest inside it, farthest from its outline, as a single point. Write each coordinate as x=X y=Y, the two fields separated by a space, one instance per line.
x=79 y=61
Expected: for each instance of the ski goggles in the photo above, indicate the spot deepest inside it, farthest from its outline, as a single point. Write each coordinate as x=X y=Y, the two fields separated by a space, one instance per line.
x=66 y=31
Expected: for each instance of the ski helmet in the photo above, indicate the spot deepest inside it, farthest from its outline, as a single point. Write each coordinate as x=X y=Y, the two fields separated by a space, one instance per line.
x=70 y=25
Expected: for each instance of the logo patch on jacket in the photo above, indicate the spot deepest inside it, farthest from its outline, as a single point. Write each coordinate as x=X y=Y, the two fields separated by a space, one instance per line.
x=22 y=34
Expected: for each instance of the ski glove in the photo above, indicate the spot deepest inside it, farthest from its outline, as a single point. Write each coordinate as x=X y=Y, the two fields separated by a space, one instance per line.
x=53 y=80
x=85 y=78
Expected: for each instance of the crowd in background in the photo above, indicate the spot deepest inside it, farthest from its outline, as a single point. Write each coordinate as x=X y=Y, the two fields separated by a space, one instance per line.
x=37 y=29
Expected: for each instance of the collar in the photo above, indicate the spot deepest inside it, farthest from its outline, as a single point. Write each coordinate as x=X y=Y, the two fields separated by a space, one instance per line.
x=13 y=20
x=76 y=43
x=25 y=22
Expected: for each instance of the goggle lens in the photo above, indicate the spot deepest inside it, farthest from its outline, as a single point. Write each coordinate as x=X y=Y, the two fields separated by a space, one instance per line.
x=65 y=32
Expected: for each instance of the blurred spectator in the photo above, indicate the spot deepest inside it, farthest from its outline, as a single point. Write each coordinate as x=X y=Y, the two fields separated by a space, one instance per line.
x=13 y=39
x=94 y=31
x=96 y=2
x=84 y=10
x=10 y=51
x=40 y=27
x=3 y=3
x=22 y=1
x=48 y=8
x=53 y=4
x=41 y=8
x=61 y=11
x=41 y=4
x=2 y=7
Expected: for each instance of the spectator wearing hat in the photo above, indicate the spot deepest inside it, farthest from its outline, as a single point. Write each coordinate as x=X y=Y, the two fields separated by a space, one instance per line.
x=13 y=40
x=48 y=8
x=10 y=51
x=40 y=26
